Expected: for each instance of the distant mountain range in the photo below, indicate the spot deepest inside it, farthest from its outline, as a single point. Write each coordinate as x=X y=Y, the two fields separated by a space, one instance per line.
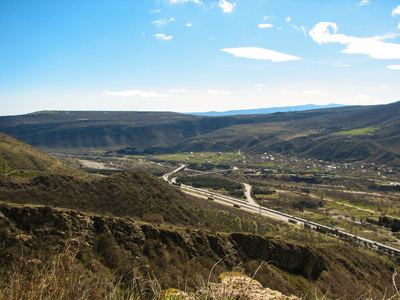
x=343 y=134
x=260 y=111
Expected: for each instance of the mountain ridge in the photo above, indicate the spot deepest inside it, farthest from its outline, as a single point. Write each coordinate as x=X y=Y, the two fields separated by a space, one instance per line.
x=269 y=110
x=369 y=133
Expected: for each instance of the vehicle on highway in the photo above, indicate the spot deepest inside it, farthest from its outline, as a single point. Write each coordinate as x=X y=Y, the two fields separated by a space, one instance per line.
x=237 y=205
x=210 y=198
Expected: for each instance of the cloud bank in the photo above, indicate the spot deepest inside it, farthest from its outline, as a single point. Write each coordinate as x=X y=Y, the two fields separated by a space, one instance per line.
x=260 y=53
x=178 y=90
x=218 y=92
x=372 y=46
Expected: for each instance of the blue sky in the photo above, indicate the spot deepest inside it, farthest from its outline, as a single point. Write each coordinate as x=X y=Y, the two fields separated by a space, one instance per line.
x=196 y=55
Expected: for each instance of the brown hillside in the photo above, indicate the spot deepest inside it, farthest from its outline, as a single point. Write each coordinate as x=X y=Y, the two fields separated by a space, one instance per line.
x=104 y=247
x=20 y=159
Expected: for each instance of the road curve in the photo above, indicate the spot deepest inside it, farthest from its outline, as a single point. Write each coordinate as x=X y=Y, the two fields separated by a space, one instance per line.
x=258 y=209
x=247 y=192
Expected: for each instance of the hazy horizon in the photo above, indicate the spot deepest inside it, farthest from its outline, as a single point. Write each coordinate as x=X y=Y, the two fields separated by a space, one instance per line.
x=200 y=112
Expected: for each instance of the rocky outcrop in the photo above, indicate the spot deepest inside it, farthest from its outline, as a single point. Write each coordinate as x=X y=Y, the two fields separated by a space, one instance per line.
x=232 y=286
x=43 y=221
x=291 y=257
x=177 y=255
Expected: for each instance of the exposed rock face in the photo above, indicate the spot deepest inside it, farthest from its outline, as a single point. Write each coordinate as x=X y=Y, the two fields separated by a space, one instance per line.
x=39 y=221
x=292 y=257
x=181 y=255
x=233 y=287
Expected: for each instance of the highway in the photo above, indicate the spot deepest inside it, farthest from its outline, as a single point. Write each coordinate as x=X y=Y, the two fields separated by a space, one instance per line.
x=166 y=176
x=252 y=207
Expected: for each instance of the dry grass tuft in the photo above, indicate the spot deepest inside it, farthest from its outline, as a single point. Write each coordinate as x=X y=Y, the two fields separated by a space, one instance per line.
x=64 y=277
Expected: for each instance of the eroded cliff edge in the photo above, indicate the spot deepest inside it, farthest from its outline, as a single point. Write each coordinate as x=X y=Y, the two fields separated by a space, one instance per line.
x=178 y=256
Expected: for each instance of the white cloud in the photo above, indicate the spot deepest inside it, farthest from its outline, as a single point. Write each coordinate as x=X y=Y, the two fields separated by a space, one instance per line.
x=133 y=93
x=288 y=19
x=365 y=2
x=266 y=17
x=162 y=36
x=394 y=67
x=396 y=11
x=260 y=53
x=264 y=25
x=178 y=90
x=226 y=6
x=218 y=92
x=398 y=26
x=156 y=11
x=260 y=86
x=373 y=46
x=163 y=22
x=188 y=25
x=184 y=1
x=160 y=23
x=340 y=65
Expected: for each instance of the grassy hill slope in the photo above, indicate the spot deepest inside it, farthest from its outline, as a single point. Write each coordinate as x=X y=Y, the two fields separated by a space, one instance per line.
x=34 y=177
x=53 y=252
x=20 y=159
x=133 y=194
x=67 y=234
x=342 y=134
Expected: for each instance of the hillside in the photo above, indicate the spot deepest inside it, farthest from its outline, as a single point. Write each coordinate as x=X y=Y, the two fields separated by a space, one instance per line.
x=135 y=194
x=34 y=179
x=54 y=249
x=369 y=133
x=21 y=160
x=342 y=134
x=81 y=236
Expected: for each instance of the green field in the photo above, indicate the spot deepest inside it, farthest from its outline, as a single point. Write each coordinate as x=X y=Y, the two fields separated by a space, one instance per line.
x=359 y=131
